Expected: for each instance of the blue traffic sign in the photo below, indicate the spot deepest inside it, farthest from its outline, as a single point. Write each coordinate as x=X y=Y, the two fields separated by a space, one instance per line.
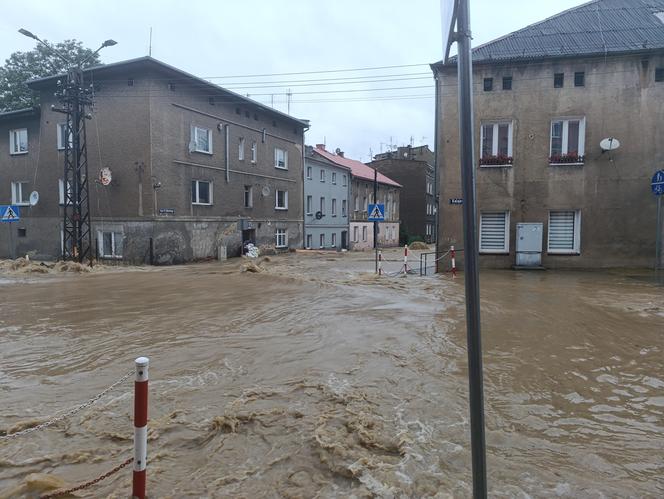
x=657 y=183
x=9 y=213
x=376 y=213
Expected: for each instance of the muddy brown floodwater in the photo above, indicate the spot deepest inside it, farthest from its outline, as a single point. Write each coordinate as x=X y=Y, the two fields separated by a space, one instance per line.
x=314 y=378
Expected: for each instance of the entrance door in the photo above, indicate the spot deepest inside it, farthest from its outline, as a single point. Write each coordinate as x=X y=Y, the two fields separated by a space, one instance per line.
x=344 y=239
x=248 y=236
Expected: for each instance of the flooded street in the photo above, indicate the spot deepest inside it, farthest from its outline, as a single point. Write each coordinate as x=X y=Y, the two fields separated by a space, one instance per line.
x=315 y=378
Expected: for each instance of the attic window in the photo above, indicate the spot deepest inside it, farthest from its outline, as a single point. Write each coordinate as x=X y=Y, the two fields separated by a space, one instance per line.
x=171 y=86
x=507 y=83
x=255 y=116
x=211 y=100
x=659 y=74
x=237 y=110
x=558 y=80
x=579 y=79
x=488 y=84
x=246 y=114
x=130 y=82
x=274 y=122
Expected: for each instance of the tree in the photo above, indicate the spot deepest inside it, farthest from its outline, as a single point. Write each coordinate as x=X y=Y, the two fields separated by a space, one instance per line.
x=37 y=63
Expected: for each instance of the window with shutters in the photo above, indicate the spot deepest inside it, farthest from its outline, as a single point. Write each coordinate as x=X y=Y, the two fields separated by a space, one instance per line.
x=495 y=232
x=564 y=232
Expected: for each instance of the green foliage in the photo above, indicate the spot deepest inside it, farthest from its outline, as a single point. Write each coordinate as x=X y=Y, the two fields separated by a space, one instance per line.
x=37 y=63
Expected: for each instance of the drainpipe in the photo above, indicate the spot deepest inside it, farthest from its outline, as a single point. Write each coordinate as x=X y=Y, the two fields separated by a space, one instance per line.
x=227 y=152
x=436 y=164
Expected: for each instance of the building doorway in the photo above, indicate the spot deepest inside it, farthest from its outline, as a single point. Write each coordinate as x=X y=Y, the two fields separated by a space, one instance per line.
x=344 y=239
x=248 y=236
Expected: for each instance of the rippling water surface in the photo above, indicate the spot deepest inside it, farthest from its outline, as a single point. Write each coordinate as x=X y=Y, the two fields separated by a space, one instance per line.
x=314 y=378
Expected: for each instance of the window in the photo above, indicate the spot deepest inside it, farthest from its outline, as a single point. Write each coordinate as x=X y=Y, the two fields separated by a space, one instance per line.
x=322 y=175
x=364 y=203
x=309 y=172
x=567 y=141
x=310 y=204
x=281 y=236
x=496 y=141
x=494 y=232
x=201 y=139
x=18 y=141
x=344 y=180
x=364 y=233
x=201 y=192
x=564 y=232
x=322 y=205
x=254 y=152
x=334 y=207
x=507 y=83
x=248 y=196
x=61 y=132
x=20 y=193
x=558 y=80
x=334 y=239
x=110 y=244
x=280 y=158
x=579 y=79
x=659 y=74
x=488 y=84
x=240 y=149
x=310 y=241
x=343 y=207
x=334 y=178
x=322 y=240
x=357 y=203
x=281 y=200
x=61 y=191
x=22 y=232
x=355 y=234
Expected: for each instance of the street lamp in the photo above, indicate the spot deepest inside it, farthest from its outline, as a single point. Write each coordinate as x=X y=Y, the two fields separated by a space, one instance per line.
x=107 y=43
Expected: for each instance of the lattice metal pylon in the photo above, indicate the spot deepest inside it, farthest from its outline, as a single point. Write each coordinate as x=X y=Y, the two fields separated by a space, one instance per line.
x=77 y=234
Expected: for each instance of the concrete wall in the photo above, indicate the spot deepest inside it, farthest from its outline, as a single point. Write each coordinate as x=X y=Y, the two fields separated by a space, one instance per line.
x=611 y=190
x=329 y=224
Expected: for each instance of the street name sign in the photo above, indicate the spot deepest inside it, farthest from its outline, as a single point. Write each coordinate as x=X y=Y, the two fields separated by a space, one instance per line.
x=657 y=183
x=376 y=213
x=9 y=213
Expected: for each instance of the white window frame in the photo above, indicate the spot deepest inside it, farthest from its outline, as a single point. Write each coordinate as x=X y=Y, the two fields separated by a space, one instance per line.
x=364 y=233
x=310 y=240
x=281 y=238
x=197 y=201
x=280 y=156
x=494 y=140
x=344 y=207
x=506 y=246
x=322 y=205
x=15 y=141
x=240 y=149
x=310 y=205
x=197 y=131
x=356 y=234
x=18 y=194
x=322 y=241
x=277 y=206
x=344 y=180
x=322 y=175
x=576 y=249
x=565 y=137
x=334 y=178
x=333 y=210
x=61 y=191
x=254 y=152
x=102 y=248
x=357 y=203
x=310 y=172
x=248 y=189
x=60 y=133
x=334 y=240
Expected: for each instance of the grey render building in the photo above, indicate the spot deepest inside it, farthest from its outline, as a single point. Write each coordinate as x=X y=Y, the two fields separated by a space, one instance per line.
x=413 y=168
x=326 y=194
x=196 y=169
x=544 y=98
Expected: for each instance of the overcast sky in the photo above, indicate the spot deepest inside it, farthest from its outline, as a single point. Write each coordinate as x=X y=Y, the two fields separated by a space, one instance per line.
x=239 y=38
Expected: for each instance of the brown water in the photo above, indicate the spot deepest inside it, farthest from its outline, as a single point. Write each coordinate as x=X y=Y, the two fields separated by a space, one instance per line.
x=314 y=378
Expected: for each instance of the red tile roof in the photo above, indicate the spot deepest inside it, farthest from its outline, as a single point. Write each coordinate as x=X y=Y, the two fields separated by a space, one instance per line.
x=358 y=169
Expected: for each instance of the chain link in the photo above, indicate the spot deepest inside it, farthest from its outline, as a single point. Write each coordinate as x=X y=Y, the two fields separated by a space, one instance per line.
x=62 y=492
x=68 y=412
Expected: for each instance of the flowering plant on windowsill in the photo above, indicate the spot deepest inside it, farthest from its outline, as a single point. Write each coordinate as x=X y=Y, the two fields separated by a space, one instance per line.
x=572 y=157
x=500 y=160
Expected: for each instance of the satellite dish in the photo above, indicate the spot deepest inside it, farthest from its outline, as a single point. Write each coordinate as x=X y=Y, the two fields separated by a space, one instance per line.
x=105 y=176
x=266 y=191
x=609 y=144
x=34 y=198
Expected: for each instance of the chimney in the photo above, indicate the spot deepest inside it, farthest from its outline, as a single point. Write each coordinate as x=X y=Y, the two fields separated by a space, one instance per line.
x=339 y=152
x=320 y=146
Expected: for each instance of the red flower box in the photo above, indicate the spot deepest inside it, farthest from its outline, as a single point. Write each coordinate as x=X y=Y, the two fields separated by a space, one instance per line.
x=499 y=160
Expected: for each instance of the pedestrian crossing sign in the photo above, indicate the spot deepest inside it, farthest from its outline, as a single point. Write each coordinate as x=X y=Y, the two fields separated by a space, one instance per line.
x=376 y=213
x=9 y=213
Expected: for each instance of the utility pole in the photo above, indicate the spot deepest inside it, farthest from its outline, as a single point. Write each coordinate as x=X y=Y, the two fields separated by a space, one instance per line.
x=375 y=224
x=75 y=100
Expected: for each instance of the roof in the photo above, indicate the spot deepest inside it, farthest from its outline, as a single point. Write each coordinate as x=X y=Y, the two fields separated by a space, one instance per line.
x=150 y=61
x=357 y=168
x=20 y=113
x=599 y=27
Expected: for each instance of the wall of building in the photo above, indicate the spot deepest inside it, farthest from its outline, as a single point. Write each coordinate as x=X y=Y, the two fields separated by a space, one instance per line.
x=361 y=235
x=361 y=195
x=323 y=187
x=611 y=191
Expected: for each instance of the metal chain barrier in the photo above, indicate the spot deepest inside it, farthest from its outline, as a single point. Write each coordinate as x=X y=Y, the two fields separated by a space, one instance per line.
x=68 y=412
x=62 y=492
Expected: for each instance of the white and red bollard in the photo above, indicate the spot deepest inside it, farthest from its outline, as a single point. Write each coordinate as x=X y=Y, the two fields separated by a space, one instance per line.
x=453 y=257
x=140 y=427
x=405 y=258
x=380 y=263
